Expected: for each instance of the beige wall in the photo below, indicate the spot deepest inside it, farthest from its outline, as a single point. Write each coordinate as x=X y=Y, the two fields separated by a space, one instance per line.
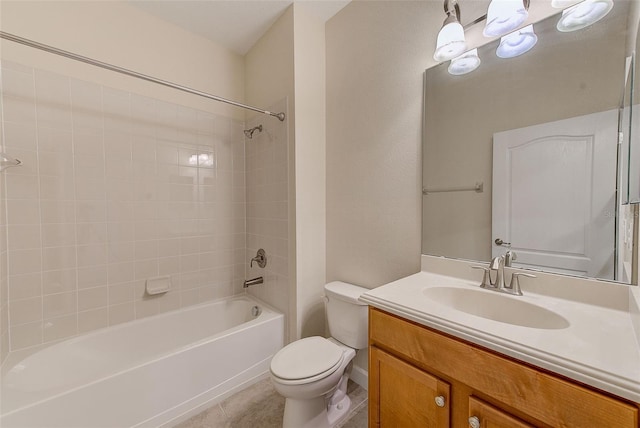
x=376 y=55
x=310 y=168
x=4 y=284
x=125 y=36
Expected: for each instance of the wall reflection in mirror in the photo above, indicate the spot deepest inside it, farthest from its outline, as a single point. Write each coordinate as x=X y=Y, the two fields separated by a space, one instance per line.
x=522 y=153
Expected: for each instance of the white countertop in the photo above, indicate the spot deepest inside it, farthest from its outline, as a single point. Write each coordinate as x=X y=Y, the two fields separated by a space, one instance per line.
x=598 y=348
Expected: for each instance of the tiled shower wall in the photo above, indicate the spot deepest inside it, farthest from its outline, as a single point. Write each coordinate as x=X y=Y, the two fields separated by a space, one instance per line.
x=115 y=188
x=267 y=208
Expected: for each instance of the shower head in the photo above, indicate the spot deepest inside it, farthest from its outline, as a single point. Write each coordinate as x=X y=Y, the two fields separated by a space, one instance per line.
x=249 y=132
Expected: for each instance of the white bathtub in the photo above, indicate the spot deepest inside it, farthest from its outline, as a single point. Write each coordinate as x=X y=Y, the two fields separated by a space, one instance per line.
x=145 y=373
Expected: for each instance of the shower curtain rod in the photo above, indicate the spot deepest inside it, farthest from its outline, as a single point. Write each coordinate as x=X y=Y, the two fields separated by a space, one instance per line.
x=71 y=55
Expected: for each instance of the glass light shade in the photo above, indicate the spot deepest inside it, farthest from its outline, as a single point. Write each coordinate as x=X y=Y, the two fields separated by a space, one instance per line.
x=584 y=14
x=517 y=43
x=451 y=42
x=504 y=16
x=563 y=4
x=465 y=63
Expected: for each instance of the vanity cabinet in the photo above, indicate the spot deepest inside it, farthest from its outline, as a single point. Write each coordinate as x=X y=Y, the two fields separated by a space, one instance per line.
x=419 y=377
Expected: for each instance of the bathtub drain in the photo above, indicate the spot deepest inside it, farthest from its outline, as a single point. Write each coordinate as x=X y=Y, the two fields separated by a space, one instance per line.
x=255 y=311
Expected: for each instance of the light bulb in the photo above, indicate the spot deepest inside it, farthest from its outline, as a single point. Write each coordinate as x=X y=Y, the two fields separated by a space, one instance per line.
x=517 y=43
x=584 y=14
x=465 y=63
x=504 y=16
x=451 y=42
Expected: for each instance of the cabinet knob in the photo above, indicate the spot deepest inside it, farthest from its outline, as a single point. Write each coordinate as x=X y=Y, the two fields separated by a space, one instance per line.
x=440 y=401
x=474 y=422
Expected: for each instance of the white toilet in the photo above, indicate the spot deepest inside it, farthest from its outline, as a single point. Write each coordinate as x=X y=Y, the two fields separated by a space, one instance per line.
x=312 y=373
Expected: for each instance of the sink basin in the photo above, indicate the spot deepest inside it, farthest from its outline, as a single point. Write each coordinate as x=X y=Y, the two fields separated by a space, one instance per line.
x=497 y=307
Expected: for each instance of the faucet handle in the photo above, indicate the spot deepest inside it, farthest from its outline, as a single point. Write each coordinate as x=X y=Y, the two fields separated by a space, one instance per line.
x=514 y=285
x=486 y=277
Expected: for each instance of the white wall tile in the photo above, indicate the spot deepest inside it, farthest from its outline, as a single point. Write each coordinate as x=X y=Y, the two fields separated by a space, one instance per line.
x=17 y=83
x=57 y=258
x=116 y=188
x=56 y=211
x=25 y=311
x=23 y=212
x=121 y=272
x=24 y=261
x=54 y=140
x=93 y=298
x=58 y=234
x=59 y=281
x=116 y=110
x=121 y=293
x=25 y=335
x=92 y=276
x=60 y=328
x=59 y=188
x=86 y=99
x=93 y=320
x=18 y=110
x=94 y=211
x=25 y=286
x=55 y=305
x=121 y=313
x=58 y=164
x=92 y=255
x=24 y=236
x=88 y=142
x=91 y=233
x=22 y=187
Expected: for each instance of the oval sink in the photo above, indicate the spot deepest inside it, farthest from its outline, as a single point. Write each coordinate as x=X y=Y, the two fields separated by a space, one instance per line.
x=496 y=307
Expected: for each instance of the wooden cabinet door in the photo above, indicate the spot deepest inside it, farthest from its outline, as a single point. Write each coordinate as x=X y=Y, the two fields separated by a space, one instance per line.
x=488 y=416
x=401 y=395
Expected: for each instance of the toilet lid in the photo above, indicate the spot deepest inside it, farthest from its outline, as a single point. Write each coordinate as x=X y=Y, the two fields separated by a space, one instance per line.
x=306 y=358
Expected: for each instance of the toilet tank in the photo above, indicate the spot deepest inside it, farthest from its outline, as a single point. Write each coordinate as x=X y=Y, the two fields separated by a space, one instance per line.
x=346 y=315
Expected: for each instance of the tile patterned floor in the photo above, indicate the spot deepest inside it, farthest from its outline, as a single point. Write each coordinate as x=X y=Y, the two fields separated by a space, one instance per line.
x=260 y=406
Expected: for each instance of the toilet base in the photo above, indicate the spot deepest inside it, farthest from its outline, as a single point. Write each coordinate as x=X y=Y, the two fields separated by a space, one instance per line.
x=318 y=412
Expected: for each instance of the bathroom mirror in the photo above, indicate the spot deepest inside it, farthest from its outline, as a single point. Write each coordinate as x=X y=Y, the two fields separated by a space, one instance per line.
x=631 y=130
x=522 y=153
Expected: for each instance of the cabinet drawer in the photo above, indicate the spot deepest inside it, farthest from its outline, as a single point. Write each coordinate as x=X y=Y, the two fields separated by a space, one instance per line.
x=543 y=396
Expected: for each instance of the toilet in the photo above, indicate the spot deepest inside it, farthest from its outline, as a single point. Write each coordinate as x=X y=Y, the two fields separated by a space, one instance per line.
x=312 y=373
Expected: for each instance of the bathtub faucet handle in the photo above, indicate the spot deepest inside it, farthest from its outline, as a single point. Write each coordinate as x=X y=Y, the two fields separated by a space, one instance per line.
x=260 y=258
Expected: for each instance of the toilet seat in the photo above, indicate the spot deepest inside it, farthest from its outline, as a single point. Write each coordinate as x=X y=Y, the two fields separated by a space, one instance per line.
x=306 y=360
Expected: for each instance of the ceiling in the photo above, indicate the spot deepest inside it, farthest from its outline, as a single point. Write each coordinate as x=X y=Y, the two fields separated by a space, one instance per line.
x=234 y=24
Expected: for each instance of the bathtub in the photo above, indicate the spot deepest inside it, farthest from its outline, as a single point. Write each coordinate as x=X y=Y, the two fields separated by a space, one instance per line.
x=150 y=372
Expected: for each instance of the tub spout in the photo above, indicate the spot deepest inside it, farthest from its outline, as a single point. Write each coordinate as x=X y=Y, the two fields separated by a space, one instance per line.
x=254 y=281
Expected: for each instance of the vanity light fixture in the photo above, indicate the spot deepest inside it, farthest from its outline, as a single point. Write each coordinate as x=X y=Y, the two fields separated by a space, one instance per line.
x=504 y=16
x=451 y=42
x=563 y=4
x=517 y=43
x=584 y=14
x=465 y=63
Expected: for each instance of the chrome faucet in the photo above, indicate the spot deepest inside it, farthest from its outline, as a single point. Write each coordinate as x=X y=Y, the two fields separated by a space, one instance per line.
x=497 y=264
x=254 y=281
x=509 y=257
